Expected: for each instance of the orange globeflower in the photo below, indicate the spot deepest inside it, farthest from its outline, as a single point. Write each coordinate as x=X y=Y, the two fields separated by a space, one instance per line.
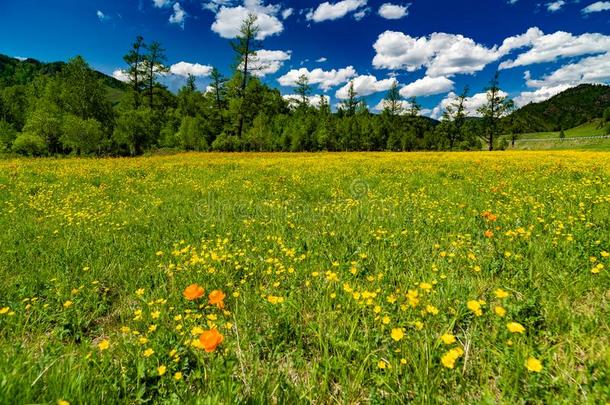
x=216 y=298
x=488 y=234
x=210 y=339
x=193 y=291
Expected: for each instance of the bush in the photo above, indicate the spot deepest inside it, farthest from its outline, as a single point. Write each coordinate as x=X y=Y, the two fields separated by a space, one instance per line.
x=226 y=143
x=29 y=145
x=191 y=134
x=135 y=130
x=7 y=135
x=82 y=136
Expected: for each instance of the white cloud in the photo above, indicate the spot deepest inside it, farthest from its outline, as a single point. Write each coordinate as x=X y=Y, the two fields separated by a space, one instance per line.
x=393 y=11
x=322 y=59
x=555 y=5
x=101 y=15
x=471 y=104
x=268 y=62
x=178 y=16
x=365 y=85
x=427 y=86
x=161 y=3
x=442 y=54
x=596 y=7
x=325 y=79
x=548 y=48
x=229 y=19
x=594 y=69
x=538 y=95
x=287 y=13
x=403 y=103
x=121 y=75
x=314 y=100
x=327 y=11
x=195 y=69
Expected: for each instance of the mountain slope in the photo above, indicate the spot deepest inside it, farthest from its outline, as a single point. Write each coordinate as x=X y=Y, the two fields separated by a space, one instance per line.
x=568 y=109
x=14 y=71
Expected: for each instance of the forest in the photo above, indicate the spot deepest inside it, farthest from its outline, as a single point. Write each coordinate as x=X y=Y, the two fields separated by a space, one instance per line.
x=72 y=109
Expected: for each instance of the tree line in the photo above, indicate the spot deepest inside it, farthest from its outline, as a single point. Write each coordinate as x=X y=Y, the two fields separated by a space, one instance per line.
x=71 y=113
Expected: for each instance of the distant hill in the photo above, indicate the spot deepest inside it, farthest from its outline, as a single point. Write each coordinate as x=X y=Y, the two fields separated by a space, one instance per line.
x=568 y=109
x=14 y=71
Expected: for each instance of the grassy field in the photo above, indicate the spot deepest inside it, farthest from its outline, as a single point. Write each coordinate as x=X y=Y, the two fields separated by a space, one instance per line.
x=289 y=278
x=550 y=141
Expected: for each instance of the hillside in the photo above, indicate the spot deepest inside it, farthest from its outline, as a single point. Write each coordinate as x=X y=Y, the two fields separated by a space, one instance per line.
x=568 y=109
x=14 y=71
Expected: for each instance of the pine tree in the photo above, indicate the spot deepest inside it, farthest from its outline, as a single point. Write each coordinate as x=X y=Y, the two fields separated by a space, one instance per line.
x=497 y=106
x=350 y=104
x=154 y=62
x=392 y=103
x=303 y=90
x=136 y=71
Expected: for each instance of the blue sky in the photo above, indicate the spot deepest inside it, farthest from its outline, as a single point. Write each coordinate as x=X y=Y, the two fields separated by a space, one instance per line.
x=432 y=48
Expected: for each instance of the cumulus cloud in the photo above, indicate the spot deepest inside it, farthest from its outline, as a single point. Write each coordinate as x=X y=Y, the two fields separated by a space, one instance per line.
x=555 y=5
x=442 y=54
x=393 y=11
x=471 y=104
x=596 y=7
x=322 y=59
x=538 y=95
x=229 y=19
x=365 y=85
x=594 y=69
x=268 y=62
x=427 y=86
x=178 y=16
x=314 y=100
x=287 y=13
x=332 y=11
x=405 y=105
x=184 y=69
x=548 y=48
x=325 y=79
x=121 y=75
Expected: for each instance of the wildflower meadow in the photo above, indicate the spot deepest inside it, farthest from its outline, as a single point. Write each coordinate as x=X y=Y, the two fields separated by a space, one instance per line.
x=300 y=278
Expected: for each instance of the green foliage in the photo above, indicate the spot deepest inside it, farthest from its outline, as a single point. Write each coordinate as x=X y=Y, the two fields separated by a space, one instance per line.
x=7 y=135
x=45 y=121
x=83 y=136
x=192 y=134
x=29 y=144
x=135 y=130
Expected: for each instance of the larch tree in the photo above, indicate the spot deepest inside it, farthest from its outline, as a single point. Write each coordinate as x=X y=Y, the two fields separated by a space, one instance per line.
x=497 y=106
x=350 y=104
x=136 y=71
x=154 y=62
x=454 y=118
x=245 y=46
x=303 y=90
x=392 y=103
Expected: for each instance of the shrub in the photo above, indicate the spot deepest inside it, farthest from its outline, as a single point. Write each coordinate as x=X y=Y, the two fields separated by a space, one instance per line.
x=191 y=134
x=82 y=136
x=29 y=145
x=7 y=135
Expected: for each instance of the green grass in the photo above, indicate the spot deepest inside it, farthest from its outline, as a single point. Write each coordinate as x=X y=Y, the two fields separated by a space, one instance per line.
x=321 y=257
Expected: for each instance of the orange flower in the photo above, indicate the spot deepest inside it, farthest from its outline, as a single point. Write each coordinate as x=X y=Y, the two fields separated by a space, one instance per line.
x=488 y=234
x=210 y=339
x=216 y=298
x=193 y=291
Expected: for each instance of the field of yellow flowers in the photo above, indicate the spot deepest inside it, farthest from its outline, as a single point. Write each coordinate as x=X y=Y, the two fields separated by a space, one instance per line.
x=297 y=278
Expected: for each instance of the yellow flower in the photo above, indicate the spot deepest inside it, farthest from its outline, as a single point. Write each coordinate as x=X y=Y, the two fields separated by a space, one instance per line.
x=382 y=364
x=155 y=315
x=140 y=292
x=161 y=370
x=431 y=309
x=104 y=344
x=68 y=304
x=178 y=376
x=533 y=364
x=449 y=358
x=499 y=310
x=385 y=320
x=197 y=330
x=448 y=338
x=62 y=402
x=148 y=352
x=4 y=310
x=475 y=307
x=500 y=293
x=403 y=361
x=515 y=327
x=605 y=254
x=425 y=286
x=275 y=300
x=397 y=334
